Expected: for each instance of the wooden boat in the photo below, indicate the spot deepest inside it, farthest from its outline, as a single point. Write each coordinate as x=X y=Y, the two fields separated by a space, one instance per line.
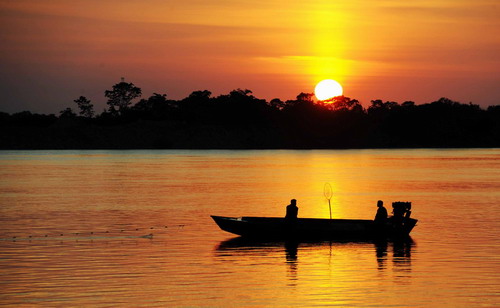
x=314 y=228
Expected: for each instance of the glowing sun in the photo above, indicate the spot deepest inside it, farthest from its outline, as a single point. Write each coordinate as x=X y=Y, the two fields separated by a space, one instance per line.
x=327 y=89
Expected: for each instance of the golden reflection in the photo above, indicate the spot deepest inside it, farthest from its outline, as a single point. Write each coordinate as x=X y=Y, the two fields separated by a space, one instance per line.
x=44 y=192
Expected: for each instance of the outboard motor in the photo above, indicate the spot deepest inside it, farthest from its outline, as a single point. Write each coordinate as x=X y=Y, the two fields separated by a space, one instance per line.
x=401 y=209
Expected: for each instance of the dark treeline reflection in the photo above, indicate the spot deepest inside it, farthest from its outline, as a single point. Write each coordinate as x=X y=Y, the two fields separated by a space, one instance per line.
x=239 y=120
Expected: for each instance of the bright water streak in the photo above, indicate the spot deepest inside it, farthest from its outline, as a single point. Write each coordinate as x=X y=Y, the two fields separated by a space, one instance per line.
x=453 y=260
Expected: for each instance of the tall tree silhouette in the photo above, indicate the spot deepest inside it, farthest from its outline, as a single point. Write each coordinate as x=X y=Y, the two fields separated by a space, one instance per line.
x=85 y=106
x=277 y=104
x=67 y=113
x=200 y=95
x=305 y=97
x=153 y=103
x=121 y=96
x=342 y=103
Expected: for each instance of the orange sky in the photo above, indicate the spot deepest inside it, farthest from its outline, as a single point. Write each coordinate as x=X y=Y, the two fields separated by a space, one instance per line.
x=54 y=51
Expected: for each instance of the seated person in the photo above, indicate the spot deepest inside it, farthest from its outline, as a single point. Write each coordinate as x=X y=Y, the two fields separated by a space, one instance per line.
x=381 y=216
x=292 y=210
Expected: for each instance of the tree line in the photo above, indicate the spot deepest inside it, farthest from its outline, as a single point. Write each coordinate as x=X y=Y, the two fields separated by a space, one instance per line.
x=239 y=120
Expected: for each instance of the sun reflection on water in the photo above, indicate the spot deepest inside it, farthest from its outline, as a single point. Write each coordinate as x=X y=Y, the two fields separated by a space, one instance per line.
x=75 y=191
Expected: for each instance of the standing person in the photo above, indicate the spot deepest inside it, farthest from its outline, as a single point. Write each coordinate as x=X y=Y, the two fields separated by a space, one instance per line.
x=381 y=216
x=292 y=210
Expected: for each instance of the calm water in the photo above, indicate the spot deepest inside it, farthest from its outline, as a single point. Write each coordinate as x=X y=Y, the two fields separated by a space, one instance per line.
x=60 y=197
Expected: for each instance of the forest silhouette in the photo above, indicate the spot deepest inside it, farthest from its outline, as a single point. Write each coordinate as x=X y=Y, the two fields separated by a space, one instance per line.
x=239 y=120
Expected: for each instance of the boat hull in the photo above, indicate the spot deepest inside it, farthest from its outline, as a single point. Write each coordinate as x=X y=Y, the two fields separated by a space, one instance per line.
x=312 y=228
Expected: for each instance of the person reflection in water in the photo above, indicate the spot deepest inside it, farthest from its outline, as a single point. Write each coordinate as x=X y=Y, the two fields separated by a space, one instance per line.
x=381 y=216
x=292 y=211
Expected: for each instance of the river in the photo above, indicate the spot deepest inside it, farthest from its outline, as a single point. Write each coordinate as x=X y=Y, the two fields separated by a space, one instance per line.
x=76 y=225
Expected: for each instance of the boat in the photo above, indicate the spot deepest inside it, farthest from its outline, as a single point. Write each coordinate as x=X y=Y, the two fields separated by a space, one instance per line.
x=314 y=228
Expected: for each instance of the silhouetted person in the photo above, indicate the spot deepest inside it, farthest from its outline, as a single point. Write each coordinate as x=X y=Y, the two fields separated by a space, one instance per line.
x=292 y=211
x=381 y=216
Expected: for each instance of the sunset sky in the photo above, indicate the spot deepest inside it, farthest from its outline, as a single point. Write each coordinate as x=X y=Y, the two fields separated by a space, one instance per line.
x=52 y=52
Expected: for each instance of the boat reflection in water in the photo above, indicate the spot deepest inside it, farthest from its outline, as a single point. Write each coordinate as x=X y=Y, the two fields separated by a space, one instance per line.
x=401 y=253
x=351 y=257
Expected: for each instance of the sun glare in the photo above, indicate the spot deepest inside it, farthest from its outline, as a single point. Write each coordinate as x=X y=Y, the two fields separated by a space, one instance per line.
x=327 y=89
